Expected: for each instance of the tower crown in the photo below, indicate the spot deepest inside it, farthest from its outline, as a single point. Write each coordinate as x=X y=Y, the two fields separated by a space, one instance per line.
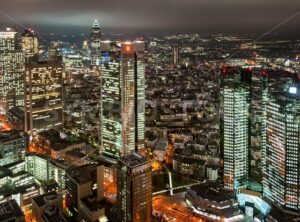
x=96 y=24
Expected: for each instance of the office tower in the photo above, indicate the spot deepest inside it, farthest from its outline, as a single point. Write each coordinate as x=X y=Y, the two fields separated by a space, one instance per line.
x=30 y=44
x=258 y=118
x=175 y=53
x=43 y=96
x=11 y=69
x=13 y=145
x=282 y=177
x=235 y=105
x=95 y=44
x=123 y=98
x=134 y=189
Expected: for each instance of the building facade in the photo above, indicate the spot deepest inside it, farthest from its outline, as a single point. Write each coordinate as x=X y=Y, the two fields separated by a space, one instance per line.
x=13 y=145
x=134 y=189
x=30 y=43
x=235 y=125
x=11 y=69
x=43 y=96
x=282 y=177
x=123 y=98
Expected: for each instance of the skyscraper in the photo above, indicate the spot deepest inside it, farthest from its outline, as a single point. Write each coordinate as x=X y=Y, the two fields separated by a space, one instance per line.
x=259 y=99
x=134 y=189
x=95 y=44
x=282 y=175
x=43 y=96
x=11 y=69
x=235 y=124
x=30 y=43
x=123 y=98
x=175 y=53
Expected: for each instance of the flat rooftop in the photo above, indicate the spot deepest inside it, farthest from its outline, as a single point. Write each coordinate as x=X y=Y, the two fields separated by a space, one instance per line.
x=212 y=192
x=10 y=135
x=10 y=210
x=83 y=174
x=40 y=200
x=133 y=160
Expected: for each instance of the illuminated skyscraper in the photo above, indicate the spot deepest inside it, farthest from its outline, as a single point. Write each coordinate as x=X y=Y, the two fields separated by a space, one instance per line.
x=175 y=53
x=30 y=43
x=235 y=126
x=123 y=98
x=11 y=69
x=258 y=118
x=282 y=175
x=43 y=96
x=95 y=44
x=134 y=189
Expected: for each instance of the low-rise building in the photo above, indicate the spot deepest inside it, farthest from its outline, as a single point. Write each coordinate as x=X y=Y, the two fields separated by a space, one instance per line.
x=160 y=148
x=11 y=212
x=48 y=208
x=13 y=144
x=212 y=202
x=84 y=182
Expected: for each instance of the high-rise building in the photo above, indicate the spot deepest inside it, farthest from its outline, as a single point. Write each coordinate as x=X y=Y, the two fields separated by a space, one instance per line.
x=175 y=53
x=123 y=98
x=235 y=125
x=11 y=69
x=134 y=189
x=282 y=175
x=95 y=44
x=30 y=43
x=259 y=99
x=43 y=96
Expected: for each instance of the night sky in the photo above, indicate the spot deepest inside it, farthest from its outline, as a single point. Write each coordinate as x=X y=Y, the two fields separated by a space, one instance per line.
x=248 y=16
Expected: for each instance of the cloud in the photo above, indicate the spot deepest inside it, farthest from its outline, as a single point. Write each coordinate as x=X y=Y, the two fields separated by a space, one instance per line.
x=202 y=15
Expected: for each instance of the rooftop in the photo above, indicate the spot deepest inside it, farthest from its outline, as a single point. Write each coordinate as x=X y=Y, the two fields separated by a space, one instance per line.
x=42 y=199
x=212 y=192
x=10 y=210
x=83 y=174
x=133 y=160
x=10 y=135
x=92 y=204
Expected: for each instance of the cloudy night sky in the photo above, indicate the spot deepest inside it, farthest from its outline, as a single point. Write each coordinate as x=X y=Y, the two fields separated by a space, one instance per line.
x=202 y=16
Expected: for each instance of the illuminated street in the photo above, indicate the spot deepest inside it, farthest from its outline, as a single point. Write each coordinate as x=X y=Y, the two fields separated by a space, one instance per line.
x=4 y=124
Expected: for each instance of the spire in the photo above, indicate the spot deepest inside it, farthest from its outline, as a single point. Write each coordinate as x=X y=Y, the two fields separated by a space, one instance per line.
x=96 y=24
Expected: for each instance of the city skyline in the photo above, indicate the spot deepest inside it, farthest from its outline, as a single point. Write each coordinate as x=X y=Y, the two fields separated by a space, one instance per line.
x=111 y=126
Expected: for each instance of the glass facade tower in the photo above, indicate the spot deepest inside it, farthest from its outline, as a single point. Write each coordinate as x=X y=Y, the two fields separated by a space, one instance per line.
x=123 y=98
x=282 y=174
x=235 y=126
